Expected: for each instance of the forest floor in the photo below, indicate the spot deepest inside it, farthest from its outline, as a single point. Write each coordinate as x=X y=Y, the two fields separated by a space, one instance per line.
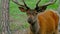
x=24 y=32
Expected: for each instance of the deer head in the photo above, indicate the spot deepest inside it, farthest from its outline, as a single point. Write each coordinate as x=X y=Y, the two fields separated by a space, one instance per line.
x=32 y=13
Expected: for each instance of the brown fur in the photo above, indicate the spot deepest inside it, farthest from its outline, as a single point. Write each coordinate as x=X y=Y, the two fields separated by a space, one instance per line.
x=48 y=22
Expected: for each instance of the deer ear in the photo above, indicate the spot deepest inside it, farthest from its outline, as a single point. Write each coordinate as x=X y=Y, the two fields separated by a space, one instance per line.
x=22 y=9
x=41 y=8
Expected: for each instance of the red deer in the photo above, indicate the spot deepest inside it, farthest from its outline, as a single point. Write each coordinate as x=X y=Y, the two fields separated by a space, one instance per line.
x=41 y=21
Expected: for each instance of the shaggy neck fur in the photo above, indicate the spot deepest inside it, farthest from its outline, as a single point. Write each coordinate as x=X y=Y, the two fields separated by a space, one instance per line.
x=35 y=27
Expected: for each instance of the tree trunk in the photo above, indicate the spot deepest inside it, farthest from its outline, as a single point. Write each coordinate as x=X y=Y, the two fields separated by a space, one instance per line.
x=5 y=17
x=0 y=12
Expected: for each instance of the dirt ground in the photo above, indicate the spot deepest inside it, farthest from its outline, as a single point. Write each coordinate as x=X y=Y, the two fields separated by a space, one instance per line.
x=25 y=31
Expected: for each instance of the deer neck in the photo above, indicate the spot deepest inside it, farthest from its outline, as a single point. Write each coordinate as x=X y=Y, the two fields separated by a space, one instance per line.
x=35 y=27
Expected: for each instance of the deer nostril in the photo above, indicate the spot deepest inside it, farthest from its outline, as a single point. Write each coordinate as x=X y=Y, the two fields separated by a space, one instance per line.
x=30 y=21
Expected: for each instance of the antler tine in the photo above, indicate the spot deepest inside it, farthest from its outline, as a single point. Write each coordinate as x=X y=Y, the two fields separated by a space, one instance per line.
x=18 y=3
x=37 y=3
x=50 y=3
x=25 y=4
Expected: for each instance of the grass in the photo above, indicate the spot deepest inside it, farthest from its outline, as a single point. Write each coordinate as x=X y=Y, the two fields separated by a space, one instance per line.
x=16 y=14
x=21 y=17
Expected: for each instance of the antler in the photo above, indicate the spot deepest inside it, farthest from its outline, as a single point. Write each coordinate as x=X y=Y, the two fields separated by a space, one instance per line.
x=20 y=4
x=50 y=3
x=17 y=3
x=25 y=4
x=37 y=3
x=43 y=7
